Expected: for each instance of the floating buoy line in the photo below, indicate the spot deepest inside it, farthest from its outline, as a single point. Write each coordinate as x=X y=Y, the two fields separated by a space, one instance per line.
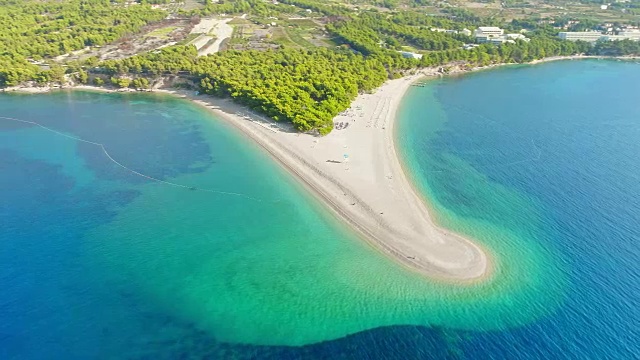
x=106 y=153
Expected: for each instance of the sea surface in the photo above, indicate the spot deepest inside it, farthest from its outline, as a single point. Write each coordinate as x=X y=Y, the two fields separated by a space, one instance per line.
x=138 y=226
x=551 y=154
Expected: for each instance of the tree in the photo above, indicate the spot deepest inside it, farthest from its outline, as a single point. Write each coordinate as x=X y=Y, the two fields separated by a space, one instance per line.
x=82 y=77
x=56 y=74
x=120 y=82
x=140 y=83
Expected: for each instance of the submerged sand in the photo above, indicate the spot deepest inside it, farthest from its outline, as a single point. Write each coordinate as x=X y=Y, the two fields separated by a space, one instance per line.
x=357 y=173
x=355 y=170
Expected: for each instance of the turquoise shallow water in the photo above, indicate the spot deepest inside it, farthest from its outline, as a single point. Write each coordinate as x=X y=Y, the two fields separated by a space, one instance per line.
x=552 y=137
x=99 y=262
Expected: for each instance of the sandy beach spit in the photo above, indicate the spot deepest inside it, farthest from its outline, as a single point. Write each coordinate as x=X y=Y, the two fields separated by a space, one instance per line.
x=356 y=172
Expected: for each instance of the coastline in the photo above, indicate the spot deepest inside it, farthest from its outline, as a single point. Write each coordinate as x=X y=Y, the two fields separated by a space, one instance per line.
x=372 y=194
x=369 y=189
x=454 y=69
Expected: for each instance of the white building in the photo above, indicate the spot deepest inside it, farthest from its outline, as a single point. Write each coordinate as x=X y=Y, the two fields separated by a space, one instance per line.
x=488 y=31
x=630 y=34
x=589 y=36
x=484 y=34
x=593 y=36
x=500 y=40
x=612 y=38
x=496 y=36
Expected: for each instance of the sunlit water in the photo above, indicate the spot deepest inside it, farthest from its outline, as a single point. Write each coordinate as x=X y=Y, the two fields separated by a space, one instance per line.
x=549 y=153
x=230 y=257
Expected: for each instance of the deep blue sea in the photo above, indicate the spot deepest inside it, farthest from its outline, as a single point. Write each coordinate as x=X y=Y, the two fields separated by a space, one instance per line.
x=565 y=137
x=102 y=263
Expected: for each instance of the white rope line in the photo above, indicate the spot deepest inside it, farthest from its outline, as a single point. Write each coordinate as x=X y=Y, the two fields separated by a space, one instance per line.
x=104 y=150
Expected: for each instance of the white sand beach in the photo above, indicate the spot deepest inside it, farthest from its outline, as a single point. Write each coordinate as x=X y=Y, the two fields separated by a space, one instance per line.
x=357 y=173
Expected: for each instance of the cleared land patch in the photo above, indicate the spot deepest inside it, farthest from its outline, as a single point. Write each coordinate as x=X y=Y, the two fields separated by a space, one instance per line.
x=162 y=33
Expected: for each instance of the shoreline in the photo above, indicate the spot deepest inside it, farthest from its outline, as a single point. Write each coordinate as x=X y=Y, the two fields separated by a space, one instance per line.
x=330 y=183
x=372 y=193
x=455 y=69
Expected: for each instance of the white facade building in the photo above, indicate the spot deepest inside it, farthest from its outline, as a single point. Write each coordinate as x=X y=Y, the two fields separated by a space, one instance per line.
x=496 y=36
x=593 y=36
x=488 y=31
x=589 y=36
x=630 y=34
x=501 y=40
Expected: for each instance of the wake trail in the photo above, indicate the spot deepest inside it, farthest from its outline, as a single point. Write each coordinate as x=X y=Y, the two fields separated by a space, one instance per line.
x=106 y=153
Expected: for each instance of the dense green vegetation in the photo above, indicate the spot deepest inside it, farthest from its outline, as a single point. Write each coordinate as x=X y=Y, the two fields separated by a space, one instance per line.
x=617 y=48
x=44 y=29
x=267 y=8
x=39 y=29
x=319 y=6
x=369 y=30
x=381 y=36
x=305 y=87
